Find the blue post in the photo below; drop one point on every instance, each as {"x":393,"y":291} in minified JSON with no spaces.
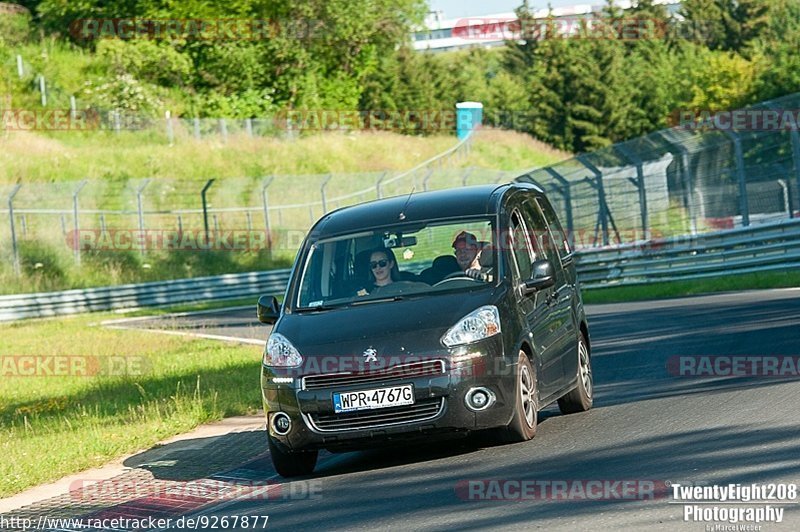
{"x":469,"y":117}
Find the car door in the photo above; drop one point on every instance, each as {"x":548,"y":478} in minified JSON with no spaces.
{"x":570,"y":287}
{"x":539,"y":320}
{"x":560,"y":295}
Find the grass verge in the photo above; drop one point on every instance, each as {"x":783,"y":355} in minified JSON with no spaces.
{"x":71,"y":157}
{"x":729,"y":283}
{"x":139,"y":389}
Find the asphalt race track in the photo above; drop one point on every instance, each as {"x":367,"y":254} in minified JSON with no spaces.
{"x":648,"y":426}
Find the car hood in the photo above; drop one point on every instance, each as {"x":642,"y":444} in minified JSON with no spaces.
{"x":394,"y":328}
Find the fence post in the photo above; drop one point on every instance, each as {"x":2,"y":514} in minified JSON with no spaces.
{"x":75,"y":221}
{"x":102,"y":224}
{"x":205,"y":209}
{"x":687,"y":183}
{"x":43,"y":90}
{"x":322,"y":193}
{"x":73,"y":107}
{"x":265,"y":200}
{"x":640,"y":184}
{"x":249,"y":126}
{"x":139,"y":194}
{"x":14,"y":249}
{"x":787,"y":196}
{"x":465,"y":176}
{"x":378,"y":190}
{"x":117,"y":125}
{"x":604,"y":215}
{"x":740,"y":176}
{"x":566,"y":193}
{"x":196,"y":128}
{"x":426,"y":179}
{"x":794,"y":136}
{"x":20,"y":68}
{"x":170,"y":132}
{"x":223,"y":129}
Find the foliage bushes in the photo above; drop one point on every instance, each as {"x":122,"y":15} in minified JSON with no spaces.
{"x":577,"y":93}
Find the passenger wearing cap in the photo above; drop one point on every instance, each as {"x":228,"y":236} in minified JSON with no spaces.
{"x":467,"y":250}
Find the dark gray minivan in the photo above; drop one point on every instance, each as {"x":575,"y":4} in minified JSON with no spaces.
{"x":435,"y":313}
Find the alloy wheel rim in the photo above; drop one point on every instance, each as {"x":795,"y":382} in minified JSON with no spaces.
{"x":526,"y":390}
{"x":585,"y":368}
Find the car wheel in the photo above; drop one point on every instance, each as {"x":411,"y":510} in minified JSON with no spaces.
{"x":523,"y":424}
{"x":581,"y":398}
{"x":291,"y":463}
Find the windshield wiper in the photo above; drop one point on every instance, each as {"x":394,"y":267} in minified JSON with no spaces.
{"x":377,"y":300}
{"x":319,"y":307}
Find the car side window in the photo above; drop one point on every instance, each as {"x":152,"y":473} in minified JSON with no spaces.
{"x":556,"y":230}
{"x":542,"y":242}
{"x":520,"y":246}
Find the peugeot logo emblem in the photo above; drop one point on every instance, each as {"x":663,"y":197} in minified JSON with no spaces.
{"x":370,"y":355}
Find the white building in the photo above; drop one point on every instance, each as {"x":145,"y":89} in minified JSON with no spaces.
{"x":488,"y":31}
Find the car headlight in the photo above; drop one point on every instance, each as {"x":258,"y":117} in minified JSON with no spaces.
{"x":479,"y":324}
{"x":281,"y":353}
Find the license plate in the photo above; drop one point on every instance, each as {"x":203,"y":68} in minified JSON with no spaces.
{"x":372,"y":399}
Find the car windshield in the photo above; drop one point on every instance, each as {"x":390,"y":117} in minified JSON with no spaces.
{"x":393,"y":263}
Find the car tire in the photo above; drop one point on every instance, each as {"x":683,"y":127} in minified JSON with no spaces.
{"x":581,"y":398}
{"x":291,"y":463}
{"x":523,"y":424}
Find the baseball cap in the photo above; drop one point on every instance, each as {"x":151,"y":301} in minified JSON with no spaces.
{"x":466,"y":237}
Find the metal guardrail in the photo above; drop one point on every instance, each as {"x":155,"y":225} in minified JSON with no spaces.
{"x":218,"y":288}
{"x":772,"y":247}
{"x":753,"y":249}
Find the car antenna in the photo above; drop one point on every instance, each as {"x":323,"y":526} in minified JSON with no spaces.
{"x":403,"y":210}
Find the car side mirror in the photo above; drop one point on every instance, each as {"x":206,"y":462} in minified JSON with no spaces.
{"x":268,"y":309}
{"x":543,"y":277}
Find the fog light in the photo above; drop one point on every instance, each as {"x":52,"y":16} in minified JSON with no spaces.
{"x":281,"y":424}
{"x":479,"y":399}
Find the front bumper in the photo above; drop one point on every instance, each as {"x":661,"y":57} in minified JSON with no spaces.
{"x":439,"y":403}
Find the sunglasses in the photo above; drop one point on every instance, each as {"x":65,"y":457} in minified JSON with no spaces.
{"x":378,"y":263}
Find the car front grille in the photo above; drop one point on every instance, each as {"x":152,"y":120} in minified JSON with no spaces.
{"x":370,"y":419}
{"x":423,"y":368}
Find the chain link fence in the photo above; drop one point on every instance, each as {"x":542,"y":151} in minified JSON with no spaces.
{"x":715,"y":172}
{"x":271,"y":212}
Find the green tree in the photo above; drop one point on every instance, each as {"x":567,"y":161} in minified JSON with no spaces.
{"x":729,"y":25}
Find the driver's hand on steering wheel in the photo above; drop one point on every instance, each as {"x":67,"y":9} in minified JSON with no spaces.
{"x":474,"y":273}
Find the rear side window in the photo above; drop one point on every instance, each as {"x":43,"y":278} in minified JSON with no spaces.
{"x":521,"y":246}
{"x":559,"y":236}
{"x":542,"y":242}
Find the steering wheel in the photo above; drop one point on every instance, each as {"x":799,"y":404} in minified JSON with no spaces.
{"x":458,"y":276}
